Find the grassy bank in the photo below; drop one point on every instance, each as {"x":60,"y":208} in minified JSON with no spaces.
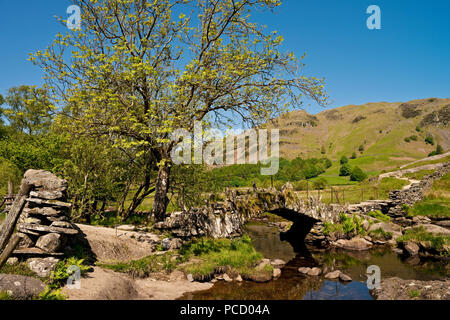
{"x":202,"y":258}
{"x":436,"y":203}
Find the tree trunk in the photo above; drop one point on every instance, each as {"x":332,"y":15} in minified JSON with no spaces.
{"x":162,"y":188}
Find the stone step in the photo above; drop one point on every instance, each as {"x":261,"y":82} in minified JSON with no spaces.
{"x":24,"y":227}
{"x":35,"y":252}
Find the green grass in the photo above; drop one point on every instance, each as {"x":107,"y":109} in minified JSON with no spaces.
{"x":222,"y":255}
{"x":414,"y":294}
{"x":347,"y":225}
{"x":420,"y":234}
{"x":431,"y":208}
{"x":5,"y":296}
{"x":380,"y":234}
{"x":418,"y":175}
{"x":21,"y":269}
{"x":436,"y":203}
{"x":379,"y":216}
{"x":144,"y":267}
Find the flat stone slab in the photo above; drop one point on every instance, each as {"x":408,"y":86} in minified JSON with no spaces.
{"x":46,"y":211}
{"x":53,"y":203}
{"x":23,"y":227}
{"x":355,"y":244}
{"x":35,"y":252}
{"x":21,"y":287}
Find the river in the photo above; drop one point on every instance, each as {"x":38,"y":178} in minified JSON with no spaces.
{"x":292,"y":285}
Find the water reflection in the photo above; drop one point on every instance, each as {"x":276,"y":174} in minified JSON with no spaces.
{"x":293,"y":285}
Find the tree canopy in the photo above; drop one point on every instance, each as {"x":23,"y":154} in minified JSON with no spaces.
{"x":137,"y":70}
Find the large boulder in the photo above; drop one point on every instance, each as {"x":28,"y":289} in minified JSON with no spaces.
{"x":44,"y":180}
{"x":43,"y":267}
{"x":434,"y":229}
{"x":356,"y":244}
{"x":411,"y":248}
{"x":51,"y":242}
{"x":21,"y":287}
{"x":386,"y":226}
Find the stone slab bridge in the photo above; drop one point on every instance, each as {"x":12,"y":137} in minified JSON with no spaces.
{"x":226,"y":219}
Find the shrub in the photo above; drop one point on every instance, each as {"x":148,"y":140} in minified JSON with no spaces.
{"x":418,"y":129}
{"x":345,"y":170}
{"x":413,"y":138}
{"x":320,"y":183}
{"x":430,"y":140}
{"x":343,"y":160}
{"x":357,"y":174}
{"x":379,"y":216}
{"x":380,"y":234}
{"x":361,"y":148}
{"x":407,"y":140}
{"x":353,"y":155}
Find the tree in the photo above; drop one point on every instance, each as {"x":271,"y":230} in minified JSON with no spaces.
{"x":29,"y":109}
{"x":136,"y":71}
{"x":343,"y":160}
{"x":345,"y":170}
{"x":357,"y":174}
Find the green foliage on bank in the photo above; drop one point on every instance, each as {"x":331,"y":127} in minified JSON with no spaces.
{"x":243,"y":175}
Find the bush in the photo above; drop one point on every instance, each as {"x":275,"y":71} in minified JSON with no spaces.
{"x":379,"y":216}
{"x":413,"y":138}
{"x":361,"y":148}
{"x":320,"y":183}
{"x":343,"y":160}
{"x":430,"y":140}
{"x":353,"y":155}
{"x":418,"y":129}
{"x":357,"y":174}
{"x":345,"y":170}
{"x":407,"y":140}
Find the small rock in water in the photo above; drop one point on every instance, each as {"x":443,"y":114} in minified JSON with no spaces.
{"x":227,"y":278}
{"x":304,"y":270}
{"x":190,"y":277}
{"x":239,"y":278}
{"x":314,"y":272}
{"x":277,"y":263}
{"x":344,"y":277}
{"x":411,"y":248}
{"x":333,"y":275}
{"x":276,"y":273}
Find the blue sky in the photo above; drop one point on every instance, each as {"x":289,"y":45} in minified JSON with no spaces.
{"x":409,"y":58}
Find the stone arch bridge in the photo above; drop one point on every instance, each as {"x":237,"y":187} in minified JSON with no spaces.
{"x":226,"y":218}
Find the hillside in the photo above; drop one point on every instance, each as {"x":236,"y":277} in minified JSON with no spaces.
{"x":381,"y":128}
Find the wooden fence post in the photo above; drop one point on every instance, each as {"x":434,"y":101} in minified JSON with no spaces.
{"x":11,"y":219}
{"x":9,"y":249}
